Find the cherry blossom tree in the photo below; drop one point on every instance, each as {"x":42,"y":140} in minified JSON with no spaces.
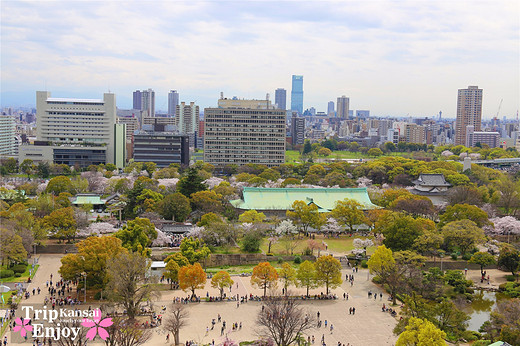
{"x":504,"y":225}
{"x":213,"y":182}
{"x":364,"y":182}
{"x":162,"y":239}
{"x":361,"y":245}
{"x":168,"y":183}
{"x":97,"y":228}
{"x":286,"y":227}
{"x":331,"y":226}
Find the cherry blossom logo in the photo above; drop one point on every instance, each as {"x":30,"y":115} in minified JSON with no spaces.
{"x":97,"y":326}
{"x":22,"y":326}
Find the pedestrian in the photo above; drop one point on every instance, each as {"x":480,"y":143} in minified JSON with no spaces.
{"x":222,"y":331}
{"x":380,"y":296}
{"x":240,"y":326}
{"x":318,"y":315}
{"x":331,"y":328}
{"x":325,"y":323}
{"x":5,"y":340}
{"x":375,"y":296}
{"x":347,"y":296}
{"x":353,"y":311}
{"x":344,"y":295}
{"x":312,"y":339}
{"x":238,"y":304}
{"x":167,"y":337}
{"x":350,"y":310}
{"x":218,"y":318}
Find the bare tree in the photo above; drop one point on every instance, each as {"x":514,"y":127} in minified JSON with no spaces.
{"x":176,"y":320}
{"x":128,"y":283}
{"x":284,"y":321}
{"x":124,"y":332}
{"x":80,"y":340}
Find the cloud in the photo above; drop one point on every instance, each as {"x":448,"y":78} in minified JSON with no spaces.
{"x":393,"y":57}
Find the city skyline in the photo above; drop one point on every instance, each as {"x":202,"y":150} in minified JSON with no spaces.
{"x":393,"y":58}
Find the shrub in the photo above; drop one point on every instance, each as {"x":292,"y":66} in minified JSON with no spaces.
{"x":466,"y":257}
{"x":454,"y":256}
{"x":280,"y":259}
{"x":97,"y":296}
{"x":17,"y":275}
{"x":307,"y":252}
{"x":364,"y":264}
{"x":19,"y":268}
{"x":510,"y":278}
{"x":269,"y":254}
{"x":297,"y":259}
{"x":6,"y":273}
{"x":482,"y":343}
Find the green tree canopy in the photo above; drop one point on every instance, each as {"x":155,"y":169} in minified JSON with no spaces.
{"x":60,"y":184}
{"x":328,"y":272}
{"x":349,"y":213}
{"x":194,"y":249}
{"x":137,"y":235}
{"x":174,"y":207}
{"x":464,"y":211}
{"x":190,"y":183}
{"x":421,"y":333}
{"x":463,"y":234}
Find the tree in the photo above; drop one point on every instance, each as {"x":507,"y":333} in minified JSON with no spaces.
{"x":60,"y":184}
{"x":429,"y":242}
{"x":146,"y":201}
{"x":415,"y":205}
{"x":349,"y":213}
{"x":401,"y":230}
{"x":190,"y":183}
{"x":93,"y":254}
{"x":307,"y":148}
{"x":176,"y":320}
{"x":206,"y":201}
{"x":264,"y":276}
{"x":287,"y":274}
{"x":382,"y":263}
{"x":324,"y":152}
{"x":124,"y":332}
{"x":374,"y":152}
{"x":251,"y":216}
{"x":483,"y":259}
{"x":306,"y":275}
{"x":509,"y":259}
{"x":137,"y":235}
{"x":504,"y":322}
{"x":128,"y":282}
{"x":464,"y":211}
{"x":12,"y":250}
{"x":43,"y":170}
{"x":171,"y":271}
{"x":61,"y":223}
{"x":304,"y":215}
{"x":328,"y":272}
{"x":421,"y":332}
{"x":221,"y":280}
{"x":174,"y":207}
{"x":192,"y":277}
{"x":27,"y":167}
{"x":284,"y":321}
{"x":463,"y":234}
{"x":252,"y":238}
{"x":194,"y":249}
{"x":509,"y":195}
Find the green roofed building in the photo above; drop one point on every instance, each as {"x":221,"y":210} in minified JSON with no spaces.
{"x":88,"y":198}
{"x":281,"y":199}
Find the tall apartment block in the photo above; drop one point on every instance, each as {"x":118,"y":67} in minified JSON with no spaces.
{"x":8,"y":141}
{"x":280,"y":98}
{"x":187,"y":118}
{"x":77,"y":131}
{"x":330,"y":108}
{"x":342,"y":108}
{"x":173,"y":102}
{"x":297,"y":130}
{"x":297,"y":94}
{"x":144,"y":100}
{"x":240,"y":135}
{"x":469,"y":112}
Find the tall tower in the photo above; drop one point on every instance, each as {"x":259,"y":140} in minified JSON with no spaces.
{"x":343,"y":107}
{"x":145,"y":101}
{"x":187,"y":118}
{"x":297,"y":94}
{"x":173,"y":101}
{"x":469,"y":112}
{"x":280,"y":98}
{"x":330,"y":108}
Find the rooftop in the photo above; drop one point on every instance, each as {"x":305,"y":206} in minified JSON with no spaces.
{"x":61,"y":99}
{"x":259,"y":198}
{"x":431,"y":180}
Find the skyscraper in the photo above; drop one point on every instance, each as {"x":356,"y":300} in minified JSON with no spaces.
{"x":144,"y":100}
{"x":7,"y":135}
{"x":343,"y":107}
{"x":297,"y":94}
{"x":280,"y":98}
{"x":173,"y":101}
{"x":330,"y":108}
{"x":469,"y":112}
{"x":187,"y":118}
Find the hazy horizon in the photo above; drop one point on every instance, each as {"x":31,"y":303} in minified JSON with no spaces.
{"x":393,"y":58}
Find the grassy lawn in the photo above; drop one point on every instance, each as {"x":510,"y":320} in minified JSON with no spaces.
{"x":24,"y":276}
{"x":246,"y":268}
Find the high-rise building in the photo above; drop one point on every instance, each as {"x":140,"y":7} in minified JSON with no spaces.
{"x":173,"y":101}
{"x":363,"y":114}
{"x":469,"y":112}
{"x":297,"y":130}
{"x":187,"y":118}
{"x":280,"y":98}
{"x":7,"y":135}
{"x":297,"y":94}
{"x":144,"y":100}
{"x":77,"y":131}
{"x":343,"y":107}
{"x":162,"y":148}
{"x":414,"y":134}
{"x":240,"y":135}
{"x":330,"y":108}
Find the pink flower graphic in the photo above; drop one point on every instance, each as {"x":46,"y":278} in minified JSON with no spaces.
{"x":96,"y":326}
{"x":22,"y":326}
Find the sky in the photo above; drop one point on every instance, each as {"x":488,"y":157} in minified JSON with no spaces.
{"x":394,"y":58}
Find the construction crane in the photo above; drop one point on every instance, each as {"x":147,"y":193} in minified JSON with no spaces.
{"x":499,"y":106}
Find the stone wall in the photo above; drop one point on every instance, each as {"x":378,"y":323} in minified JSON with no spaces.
{"x":56,"y":248}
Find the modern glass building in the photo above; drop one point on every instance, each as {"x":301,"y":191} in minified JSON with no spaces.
{"x":297,"y":94}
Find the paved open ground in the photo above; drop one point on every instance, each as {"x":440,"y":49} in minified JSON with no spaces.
{"x":369,"y":326}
